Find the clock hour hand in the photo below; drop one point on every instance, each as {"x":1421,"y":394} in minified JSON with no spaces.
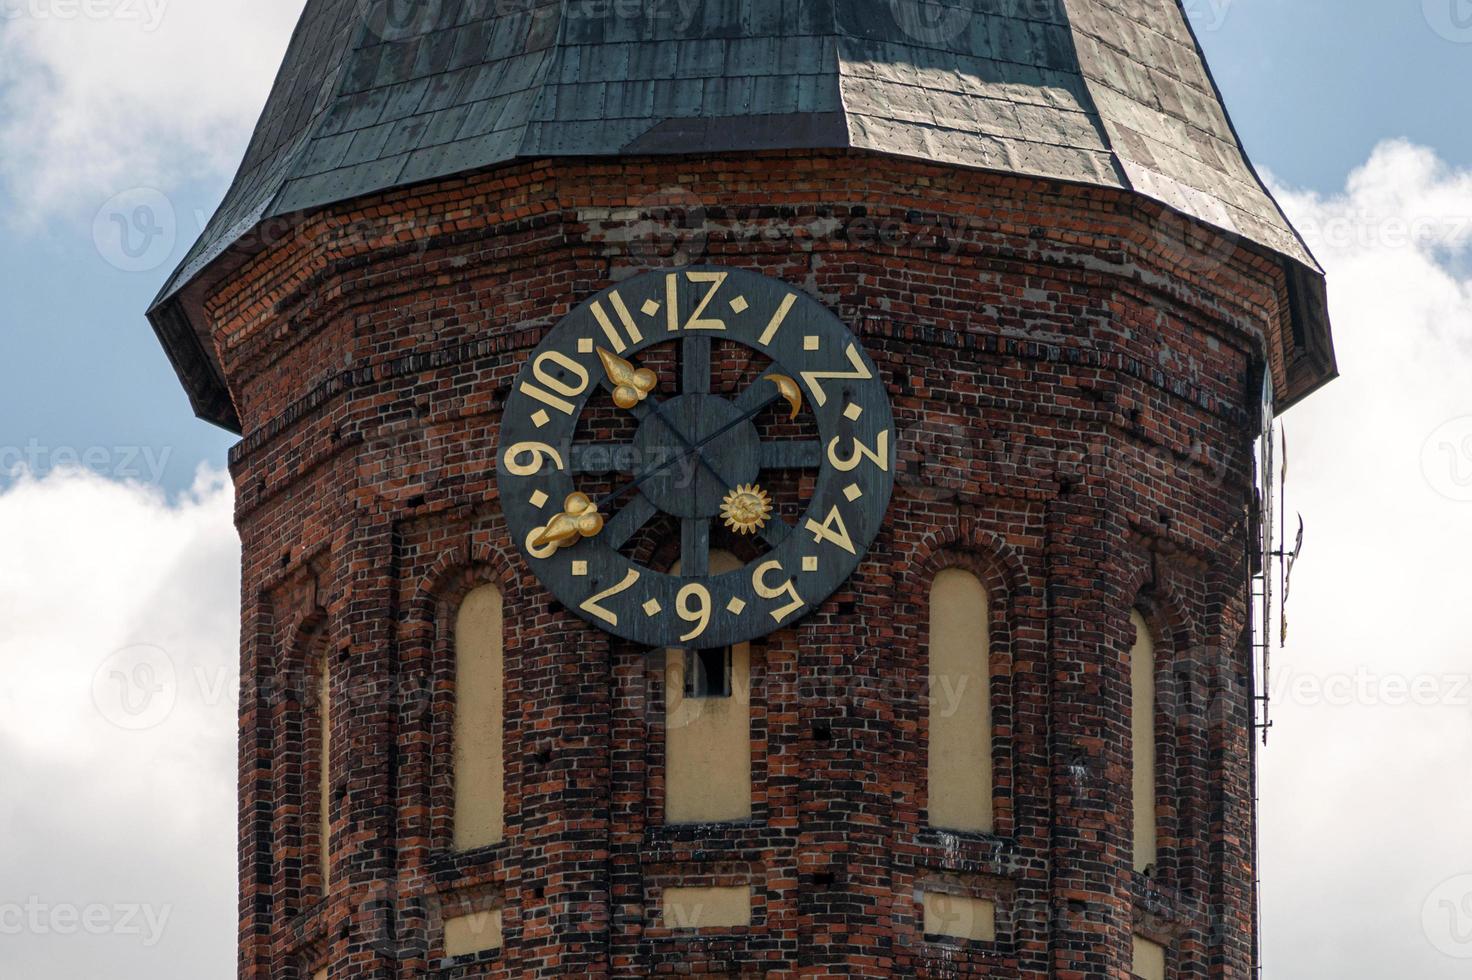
{"x":631,"y":385}
{"x":579,"y":519}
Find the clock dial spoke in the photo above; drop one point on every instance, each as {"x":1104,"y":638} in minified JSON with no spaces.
{"x":695,"y":547}
{"x":627,"y":522}
{"x":792,"y":454}
{"x":695,"y":365}
{"x":776,"y":531}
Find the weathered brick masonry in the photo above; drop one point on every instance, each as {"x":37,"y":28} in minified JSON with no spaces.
{"x":1074,"y":373}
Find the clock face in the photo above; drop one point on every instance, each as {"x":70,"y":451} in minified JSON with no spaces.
{"x":686,"y":414}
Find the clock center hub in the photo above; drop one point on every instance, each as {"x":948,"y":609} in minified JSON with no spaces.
{"x":697,"y":482}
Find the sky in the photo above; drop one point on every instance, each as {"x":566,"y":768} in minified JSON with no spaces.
{"x":118,"y":561}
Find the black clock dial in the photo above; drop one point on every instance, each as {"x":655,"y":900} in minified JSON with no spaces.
{"x":618,"y":424}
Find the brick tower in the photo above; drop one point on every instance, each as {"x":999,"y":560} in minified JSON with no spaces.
{"x":1015,"y":740}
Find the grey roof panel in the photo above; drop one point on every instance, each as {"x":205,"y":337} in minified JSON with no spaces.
{"x":1106,"y":92}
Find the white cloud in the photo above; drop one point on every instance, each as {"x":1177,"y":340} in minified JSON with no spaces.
{"x":117,"y":729}
{"x":1367,"y":792}
{"x":100,"y":96}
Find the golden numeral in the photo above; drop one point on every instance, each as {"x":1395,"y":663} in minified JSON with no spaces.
{"x":859,"y":373}
{"x":539,"y":452}
{"x":788,"y":588}
{"x":833,"y":530}
{"x":548,"y":398}
{"x":593,"y":606}
{"x":615,"y":338}
{"x":879,"y":455}
{"x":778,"y":318}
{"x":696,"y":321}
{"x":700,"y":615}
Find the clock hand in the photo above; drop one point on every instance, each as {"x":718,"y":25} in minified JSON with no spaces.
{"x":789,"y":391}
{"x":579,"y":519}
{"x":689,"y":449}
{"x":631,"y":385}
{"x":786,"y":389}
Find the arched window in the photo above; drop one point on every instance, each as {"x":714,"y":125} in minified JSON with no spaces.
{"x":480,"y":793}
{"x":960,"y":748}
{"x":1142,"y":725}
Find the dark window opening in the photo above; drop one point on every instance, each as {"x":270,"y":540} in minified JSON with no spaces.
{"x":708,"y":673}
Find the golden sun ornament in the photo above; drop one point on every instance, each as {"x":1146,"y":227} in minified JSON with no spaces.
{"x":747,"y":509}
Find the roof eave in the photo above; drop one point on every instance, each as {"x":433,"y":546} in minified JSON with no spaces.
{"x":209,"y":396}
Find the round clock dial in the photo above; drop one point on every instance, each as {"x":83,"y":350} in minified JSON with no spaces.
{"x":686,"y":411}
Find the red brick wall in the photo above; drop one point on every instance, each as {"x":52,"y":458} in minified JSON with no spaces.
{"x":1074,"y":387}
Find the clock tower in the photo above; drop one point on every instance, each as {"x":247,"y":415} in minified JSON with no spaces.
{"x":746,"y":489}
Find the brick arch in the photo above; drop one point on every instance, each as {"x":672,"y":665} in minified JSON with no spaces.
{"x":1160,"y":597}
{"x":1001,"y":565}
{"x":458,"y":570}
{"x":305,"y":627}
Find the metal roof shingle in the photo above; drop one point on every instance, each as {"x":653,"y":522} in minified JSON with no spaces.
{"x":1106,"y":92}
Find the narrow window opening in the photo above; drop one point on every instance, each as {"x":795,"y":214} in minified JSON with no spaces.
{"x":960,"y":748}
{"x":1143,"y":715}
{"x":708,"y":673}
{"x":480,"y":792}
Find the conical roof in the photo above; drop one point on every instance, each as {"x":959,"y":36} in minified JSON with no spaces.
{"x":376,"y":94}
